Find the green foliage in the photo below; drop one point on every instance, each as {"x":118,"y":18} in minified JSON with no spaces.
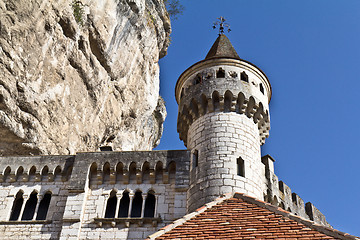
{"x":174,"y":8}
{"x":78,"y":11}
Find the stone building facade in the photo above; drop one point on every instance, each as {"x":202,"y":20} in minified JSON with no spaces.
{"x":223,"y":120}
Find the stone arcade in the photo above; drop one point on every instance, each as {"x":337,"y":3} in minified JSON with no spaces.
{"x":223,"y":119}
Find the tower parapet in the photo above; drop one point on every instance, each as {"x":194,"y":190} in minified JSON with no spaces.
{"x":223,"y":119}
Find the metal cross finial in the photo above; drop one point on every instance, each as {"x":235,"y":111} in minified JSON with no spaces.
{"x":222,"y":25}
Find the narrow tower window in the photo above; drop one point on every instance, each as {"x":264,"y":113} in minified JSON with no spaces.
{"x":220,"y":73}
{"x":172,"y":172}
{"x":198,"y":79}
{"x":43,"y":207}
{"x":124,"y":205}
{"x":16,"y":208}
{"x":137,"y":205}
{"x":261,"y":88}
{"x":195,"y":158}
{"x":240,"y":167}
{"x":111,"y":205}
{"x":30,"y":207}
{"x":244,"y":77}
{"x":150,"y":205}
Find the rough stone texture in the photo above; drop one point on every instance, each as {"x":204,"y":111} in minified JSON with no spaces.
{"x":220,"y":139}
{"x":67,"y":87}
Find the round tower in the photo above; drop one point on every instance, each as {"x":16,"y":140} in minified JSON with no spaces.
{"x":223,"y":119}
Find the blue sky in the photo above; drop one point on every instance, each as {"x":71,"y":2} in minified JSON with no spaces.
{"x":310,"y":51}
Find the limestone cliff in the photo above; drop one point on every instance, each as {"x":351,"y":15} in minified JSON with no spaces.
{"x":77,"y":77}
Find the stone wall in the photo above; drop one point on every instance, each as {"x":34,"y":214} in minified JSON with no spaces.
{"x":80,"y":192}
{"x":220,"y":139}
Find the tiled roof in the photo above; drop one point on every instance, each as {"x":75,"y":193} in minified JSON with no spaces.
{"x":243,"y":217}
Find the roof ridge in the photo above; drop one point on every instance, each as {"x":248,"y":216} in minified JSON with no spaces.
{"x":189,"y":216}
{"x":323,"y":229}
{"x":277,"y":210}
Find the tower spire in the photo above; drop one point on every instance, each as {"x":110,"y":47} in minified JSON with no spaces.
{"x":222,"y":48}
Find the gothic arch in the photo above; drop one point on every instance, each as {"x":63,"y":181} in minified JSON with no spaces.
{"x":132,"y":172}
{"x":124,"y":205}
{"x":228,"y":98}
{"x":44,"y":206}
{"x":240,"y":103}
{"x":17,"y":205}
{"x":150,"y":203}
{"x":216,"y":101}
{"x":6,"y":172}
{"x":106,"y":172}
{"x":92,"y":173}
{"x":32,"y":173}
{"x":146,"y":172}
{"x":57,"y":173}
{"x":111,"y":205}
{"x":250,"y":109}
{"x":119,"y":172}
{"x":19,"y":172}
{"x":159,"y":172}
{"x":137,"y":204}
{"x":30,"y":206}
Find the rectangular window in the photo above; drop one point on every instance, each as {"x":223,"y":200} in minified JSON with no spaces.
{"x":195,"y":158}
{"x":240,"y":167}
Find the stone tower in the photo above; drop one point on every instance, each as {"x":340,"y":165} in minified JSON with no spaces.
{"x":223,"y":119}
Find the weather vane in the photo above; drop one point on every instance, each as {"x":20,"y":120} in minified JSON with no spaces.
{"x":222,"y":25}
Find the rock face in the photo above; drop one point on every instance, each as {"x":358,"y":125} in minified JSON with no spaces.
{"x":75,"y":77}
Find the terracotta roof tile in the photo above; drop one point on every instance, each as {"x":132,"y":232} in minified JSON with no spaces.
{"x":243,"y":217}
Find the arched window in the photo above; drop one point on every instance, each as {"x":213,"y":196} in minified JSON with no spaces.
{"x":146,"y":173}
{"x":137,"y":205}
{"x":30,"y":206}
{"x":124,"y":205}
{"x":159,"y":172}
{"x":19,"y":173}
{"x":228,"y":101}
{"x":244,"y":77}
{"x":7,"y":172}
{"x":16,"y":208}
{"x":57,"y":173}
{"x":119,"y":172}
{"x":93,"y":174}
{"x":45,"y":173}
{"x":132,"y":173}
{"x":240,"y":167}
{"x":111,"y":205}
{"x":32,"y":173}
{"x":43,"y":207}
{"x":216,"y":100}
{"x":220,"y":73}
{"x":106,"y":172}
{"x":150,"y":201}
